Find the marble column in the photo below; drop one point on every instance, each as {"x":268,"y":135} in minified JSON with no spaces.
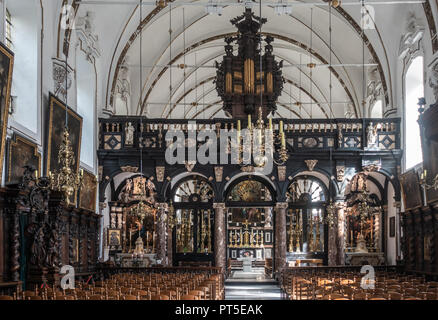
{"x":280,"y":236}
{"x":219,"y":236}
{"x":162,"y":233}
{"x":332,"y":244}
{"x":341,"y":235}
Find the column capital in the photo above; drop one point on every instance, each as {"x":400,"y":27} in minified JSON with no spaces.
{"x":219,"y":205}
{"x":281,"y":205}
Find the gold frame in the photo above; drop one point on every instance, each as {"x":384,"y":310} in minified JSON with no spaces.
{"x":71,"y":113}
{"x":14,"y":142}
{"x":94,"y":179}
{"x":109,"y":230}
{"x":9,"y":54}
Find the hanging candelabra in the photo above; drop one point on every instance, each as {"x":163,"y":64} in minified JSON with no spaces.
{"x":66,"y":180}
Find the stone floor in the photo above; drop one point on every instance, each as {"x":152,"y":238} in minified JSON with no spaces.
{"x":251,"y":286}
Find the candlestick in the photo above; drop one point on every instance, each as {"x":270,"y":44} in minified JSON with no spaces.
{"x":283,"y":140}
{"x":280,"y":128}
{"x":249,"y":121}
{"x":270,"y":123}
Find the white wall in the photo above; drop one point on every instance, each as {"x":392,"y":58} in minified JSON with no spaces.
{"x":25,"y":84}
{"x":391,"y":248}
{"x":86,"y":89}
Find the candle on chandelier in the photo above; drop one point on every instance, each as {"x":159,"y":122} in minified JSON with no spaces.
{"x":283,"y":140}
{"x":280,"y":128}
{"x":270,"y":123}
{"x":249,"y":121}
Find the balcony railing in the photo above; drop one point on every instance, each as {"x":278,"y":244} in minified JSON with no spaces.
{"x":301,"y":135}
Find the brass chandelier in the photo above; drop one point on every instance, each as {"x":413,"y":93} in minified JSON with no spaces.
{"x":267,"y":140}
{"x":66,"y":179}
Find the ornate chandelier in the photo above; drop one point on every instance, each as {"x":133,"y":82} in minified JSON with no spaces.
{"x":66,"y":180}
{"x":242,"y":82}
{"x":266,"y":139}
{"x":249,"y":84}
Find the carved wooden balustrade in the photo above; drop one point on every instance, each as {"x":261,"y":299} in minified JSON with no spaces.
{"x":301,"y":135}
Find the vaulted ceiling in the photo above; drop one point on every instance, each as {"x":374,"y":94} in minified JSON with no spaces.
{"x":197,"y":40}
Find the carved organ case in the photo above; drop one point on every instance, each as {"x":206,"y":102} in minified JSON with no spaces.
{"x":239,"y":80}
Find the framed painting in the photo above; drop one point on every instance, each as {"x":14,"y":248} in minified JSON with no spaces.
{"x":56,"y":125}
{"x":411,"y":190}
{"x":6,"y":66}
{"x":88,"y":192}
{"x":114,"y":239}
{"x":21,"y":152}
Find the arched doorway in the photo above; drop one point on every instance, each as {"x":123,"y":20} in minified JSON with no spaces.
{"x":307,"y":233}
{"x":193,"y":234}
{"x":250,"y":225}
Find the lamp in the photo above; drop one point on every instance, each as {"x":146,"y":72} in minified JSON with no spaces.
{"x":213,"y":8}
{"x":66,"y":179}
{"x":282,"y":8}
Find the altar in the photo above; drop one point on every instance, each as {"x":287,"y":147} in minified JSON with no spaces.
{"x":364,"y":258}
{"x":247,"y":263}
{"x":128,"y":260}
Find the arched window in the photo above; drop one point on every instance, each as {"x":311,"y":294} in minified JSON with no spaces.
{"x":414,"y":89}
{"x":8,"y":29}
{"x":86,"y":88}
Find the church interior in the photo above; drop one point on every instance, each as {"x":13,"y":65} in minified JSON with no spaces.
{"x":219,"y":150}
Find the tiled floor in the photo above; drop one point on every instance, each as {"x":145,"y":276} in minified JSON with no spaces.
{"x":251,"y":286}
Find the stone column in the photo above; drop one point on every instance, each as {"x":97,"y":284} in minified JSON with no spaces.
{"x":162,"y":233}
{"x":219,"y":236}
{"x":332,"y":244}
{"x":341,"y":235}
{"x":280,"y":236}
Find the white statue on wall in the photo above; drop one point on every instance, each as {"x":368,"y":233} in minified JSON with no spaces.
{"x":372,"y":136}
{"x":129,"y":134}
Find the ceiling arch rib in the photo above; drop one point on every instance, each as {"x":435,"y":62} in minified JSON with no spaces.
{"x":300,"y":45}
{"x":353,"y":100}
{"x":315,"y":100}
{"x":188,"y":49}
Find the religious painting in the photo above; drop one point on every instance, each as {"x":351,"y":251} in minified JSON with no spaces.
{"x":249,"y":191}
{"x":392,"y":227}
{"x":251,"y":215}
{"x":88,"y":192}
{"x":21,"y":152}
{"x":57,"y":117}
{"x":411,"y":190}
{"x":6,"y":66}
{"x":114,"y":241}
{"x":137,"y":188}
